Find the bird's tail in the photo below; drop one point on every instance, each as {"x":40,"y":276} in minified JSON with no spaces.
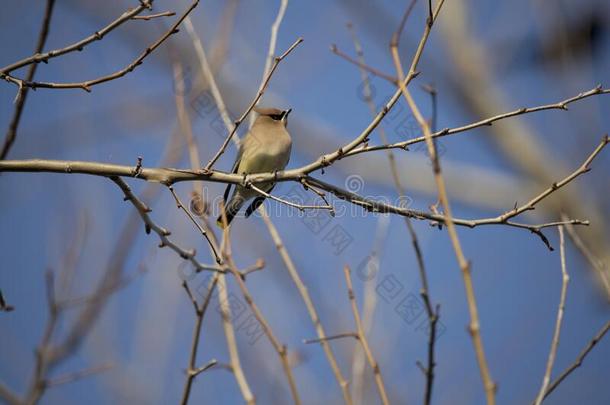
{"x":231,"y":209}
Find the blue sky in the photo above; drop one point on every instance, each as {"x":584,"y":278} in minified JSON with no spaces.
{"x":145,"y":330}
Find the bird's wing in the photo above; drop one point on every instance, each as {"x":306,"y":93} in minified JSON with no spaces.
{"x":255,"y":204}
{"x":233,"y":170}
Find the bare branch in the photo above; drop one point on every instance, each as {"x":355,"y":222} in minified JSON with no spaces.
{"x":194,"y":221}
{"x":289,"y":203}
{"x":169,"y":176}
{"x":432,"y":317}
{"x":362,"y":338}
{"x":77,"y":375}
{"x":562,"y":302}
{"x":200,"y":311}
{"x":276,"y":236}
{"x":259,"y":94}
{"x":225,"y":311}
{"x":560,"y":105}
{"x":279,"y":347}
{"x":275,"y":27}
{"x":86,"y":85}
{"x":581,"y":357}
{"x":335,"y":49}
{"x":151,"y":16}
{"x":464,"y":264}
{"x":80,"y":45}
{"x":596,"y":263}
{"x":207,"y":74}
{"x":163,"y":233}
{"x":11,"y":133}
{"x":333,"y":337}
{"x":205,"y":367}
{"x":311,"y":309}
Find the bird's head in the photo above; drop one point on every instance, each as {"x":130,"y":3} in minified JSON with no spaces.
{"x":274,"y":115}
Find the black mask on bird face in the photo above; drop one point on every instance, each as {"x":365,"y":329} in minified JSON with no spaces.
{"x":275,"y":114}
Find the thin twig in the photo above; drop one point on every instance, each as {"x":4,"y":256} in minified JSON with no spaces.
{"x":86,"y":85}
{"x":279,"y":347}
{"x":394,"y":42}
{"x":474,"y":327}
{"x":335,"y":49}
{"x":11,"y":133}
{"x":205,"y":367}
{"x":200,"y":311}
{"x":151,"y":16}
{"x":560,"y":105}
{"x":425,"y":291}
{"x":259,"y":265}
{"x":225,"y":308}
{"x":225,"y":311}
{"x":595,"y":262}
{"x":562,"y":302}
{"x":311,"y":309}
{"x":289,"y":203}
{"x":194,"y":221}
{"x":370,"y":267}
{"x":275,"y":27}
{"x":259,"y":94}
{"x":284,"y":252}
{"x":503,"y":219}
{"x":362,"y":338}
{"x":80,"y":45}
{"x":163,"y":233}
{"x":8,"y":395}
{"x":73,"y":302}
{"x":77,"y":375}
{"x":581,"y":357}
{"x":207,"y":73}
{"x":333,"y":337}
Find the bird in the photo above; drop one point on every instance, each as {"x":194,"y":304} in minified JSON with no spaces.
{"x":265,"y":148}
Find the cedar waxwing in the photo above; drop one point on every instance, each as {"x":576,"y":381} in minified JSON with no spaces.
{"x":264,"y":149}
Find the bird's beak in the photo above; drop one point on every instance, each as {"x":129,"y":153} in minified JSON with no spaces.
{"x":285,"y":116}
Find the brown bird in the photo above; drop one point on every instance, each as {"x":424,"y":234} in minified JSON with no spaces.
{"x":265,"y":148}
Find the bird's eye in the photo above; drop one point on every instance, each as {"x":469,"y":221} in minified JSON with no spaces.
{"x":276,"y":117}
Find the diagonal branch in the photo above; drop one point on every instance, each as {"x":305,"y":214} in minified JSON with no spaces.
{"x":148,"y":17}
{"x":86,"y":85}
{"x":80,"y":45}
{"x":581,"y":357}
{"x":290,"y":203}
{"x":200,"y":311}
{"x":194,"y":221}
{"x":362,"y":337}
{"x":277,"y":240}
{"x":163,"y":233}
{"x":279,"y":347}
{"x":11,"y":133}
{"x":562,"y":303}
{"x":560,"y":105}
{"x":275,"y":27}
{"x":259,"y":94}
{"x":595,"y":262}
{"x":464,"y":264}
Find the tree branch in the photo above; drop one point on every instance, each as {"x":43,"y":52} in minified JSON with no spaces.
{"x":259,"y":94}
{"x":562,"y":302}
{"x":86,"y":85}
{"x":11,"y":133}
